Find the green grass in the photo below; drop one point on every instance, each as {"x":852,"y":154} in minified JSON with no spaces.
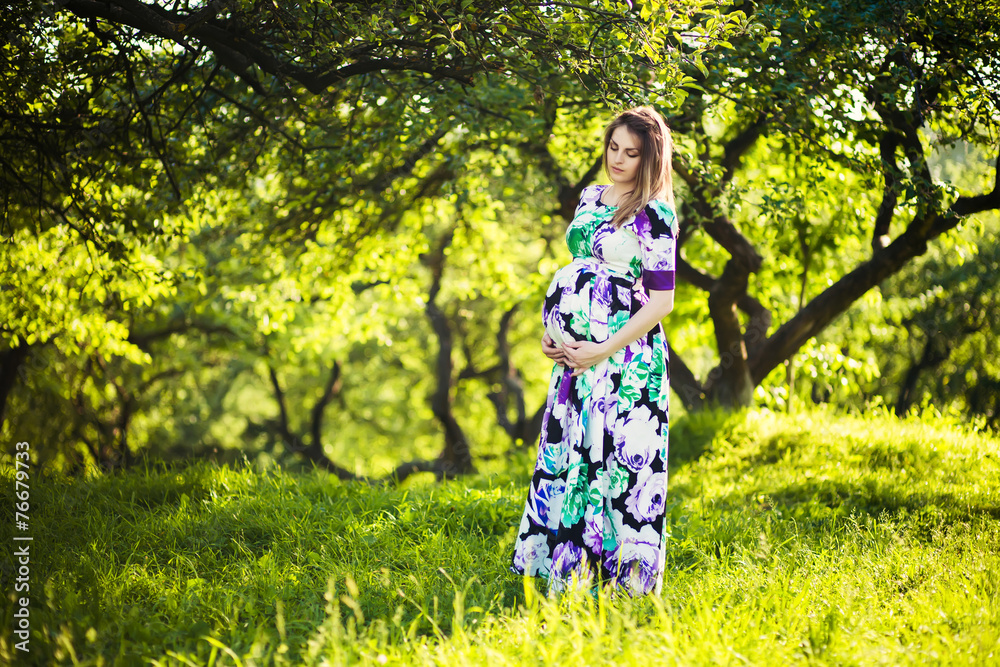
{"x":812,"y":539}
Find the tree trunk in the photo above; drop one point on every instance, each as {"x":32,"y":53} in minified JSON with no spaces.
{"x":935,"y":352}
{"x":10,"y":364}
{"x":456,"y":457}
{"x":729,"y":383}
{"x":833,"y":301}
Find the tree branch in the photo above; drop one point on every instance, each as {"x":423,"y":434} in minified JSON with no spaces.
{"x":683,"y":382}
{"x":146,"y":338}
{"x":294,"y":442}
{"x":891,"y":173}
{"x":693,"y":276}
{"x":386,"y":179}
{"x":837,"y":298}
{"x":455,"y":458}
{"x":316,"y":423}
{"x":238,"y":54}
{"x":739,"y":145}
{"x":964,"y":206}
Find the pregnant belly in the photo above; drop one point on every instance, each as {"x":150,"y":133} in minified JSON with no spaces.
{"x":566,"y":312}
{"x":584,"y":301}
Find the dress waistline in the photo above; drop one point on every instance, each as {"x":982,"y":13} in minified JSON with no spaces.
{"x":601,"y":269}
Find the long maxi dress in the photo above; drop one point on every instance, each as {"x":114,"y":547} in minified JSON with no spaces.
{"x":595,"y":506}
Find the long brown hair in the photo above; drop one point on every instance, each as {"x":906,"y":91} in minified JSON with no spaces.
{"x":654,"y":175}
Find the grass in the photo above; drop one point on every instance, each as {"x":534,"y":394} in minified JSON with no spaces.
{"x":813,"y":539}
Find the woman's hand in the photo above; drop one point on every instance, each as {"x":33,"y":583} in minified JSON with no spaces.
{"x":552,"y":351}
{"x":582,"y":354}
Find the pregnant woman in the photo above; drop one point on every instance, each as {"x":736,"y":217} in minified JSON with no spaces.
{"x":595,"y":507}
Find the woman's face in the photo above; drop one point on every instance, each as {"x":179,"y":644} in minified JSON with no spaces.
{"x":623,"y":156}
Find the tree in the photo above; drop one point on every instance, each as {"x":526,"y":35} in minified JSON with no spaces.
{"x":127,"y":124}
{"x":834,"y":125}
{"x":934,"y":328}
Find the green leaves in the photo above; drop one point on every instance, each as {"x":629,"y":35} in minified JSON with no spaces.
{"x":191,"y":215}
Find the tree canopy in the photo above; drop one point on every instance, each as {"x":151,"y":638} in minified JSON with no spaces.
{"x":813,"y":146}
{"x":242,"y":226}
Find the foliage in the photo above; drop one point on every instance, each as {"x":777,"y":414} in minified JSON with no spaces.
{"x":241,"y":227}
{"x":246,"y":195}
{"x":818,"y":539}
{"x":920,"y":342}
{"x":819,"y":167}
{"x":941,"y":321}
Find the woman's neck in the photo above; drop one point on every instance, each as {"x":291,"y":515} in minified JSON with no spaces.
{"x":615,"y":192}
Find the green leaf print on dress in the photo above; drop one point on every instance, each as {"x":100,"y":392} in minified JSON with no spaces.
{"x":617,"y":478}
{"x":553,"y":459}
{"x":633,"y":380}
{"x":616,"y":322}
{"x":580,"y":235}
{"x":636,"y":266}
{"x":579,"y":310}
{"x":659,"y":385}
{"x":577,"y":494}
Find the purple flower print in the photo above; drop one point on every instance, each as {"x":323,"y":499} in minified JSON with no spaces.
{"x":648,"y":496}
{"x":601,"y":295}
{"x":565,"y":558}
{"x":635,"y":565}
{"x":545,"y":504}
{"x":604,"y":402}
{"x":570,"y":568}
{"x":593,"y":533}
{"x":641,"y":225}
{"x":636,"y":440}
{"x":629,"y":353}
{"x":531,"y":555}
{"x":640,"y":578}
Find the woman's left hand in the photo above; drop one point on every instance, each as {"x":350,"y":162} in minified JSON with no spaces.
{"x":582,"y":354}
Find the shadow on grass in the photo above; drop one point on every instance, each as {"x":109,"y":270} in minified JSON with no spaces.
{"x":875,"y":498}
{"x":692,"y":434}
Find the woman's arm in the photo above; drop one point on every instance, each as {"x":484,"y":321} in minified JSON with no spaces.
{"x":581,"y":355}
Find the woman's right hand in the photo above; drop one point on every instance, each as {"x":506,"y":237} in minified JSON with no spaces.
{"x":552,"y":351}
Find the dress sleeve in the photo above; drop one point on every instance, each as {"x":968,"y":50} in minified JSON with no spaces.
{"x":656,"y":229}
{"x":588,"y":195}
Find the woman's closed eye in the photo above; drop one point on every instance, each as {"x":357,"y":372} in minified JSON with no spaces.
{"x":613,"y":146}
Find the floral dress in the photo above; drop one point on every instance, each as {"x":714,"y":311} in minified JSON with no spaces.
{"x":595,"y":507}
